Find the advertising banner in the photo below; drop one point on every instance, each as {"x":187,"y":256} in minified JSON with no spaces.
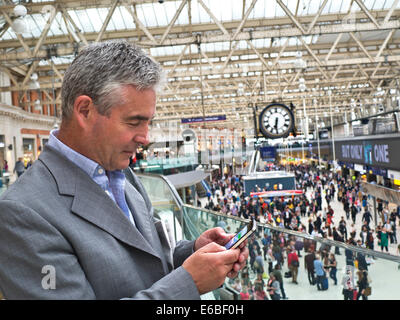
{"x":382,"y":153}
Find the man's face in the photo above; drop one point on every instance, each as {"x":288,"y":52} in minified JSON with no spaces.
{"x":116,"y":137}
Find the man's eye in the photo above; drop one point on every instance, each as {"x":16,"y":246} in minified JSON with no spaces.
{"x":134,"y":124}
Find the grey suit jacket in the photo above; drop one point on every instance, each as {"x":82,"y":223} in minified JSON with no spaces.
{"x":56,"y":215}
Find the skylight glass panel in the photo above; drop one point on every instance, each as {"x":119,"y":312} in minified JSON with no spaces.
{"x":58,"y":26}
{"x":345,"y":6}
{"x":313,"y":7}
{"x":102,"y":15}
{"x":35,"y":23}
{"x":388,"y":4}
{"x":43,"y":62}
{"x":74,"y":16}
{"x":242,"y":45}
{"x":9,"y":35}
{"x":270,"y":8}
{"x":291,"y":5}
{"x":377,"y":5}
{"x":117,"y":20}
{"x":237,"y":7}
{"x":259,"y":43}
{"x":167,"y":10}
{"x":146,"y":15}
{"x":335,"y":6}
{"x":279,"y":11}
{"x":258,"y":10}
{"x":221,"y":9}
{"x":293,"y":41}
{"x":94,"y":18}
{"x":127,"y":17}
{"x":368,"y":4}
{"x":327,"y":8}
{"x":183,"y":17}
{"x":84,"y":21}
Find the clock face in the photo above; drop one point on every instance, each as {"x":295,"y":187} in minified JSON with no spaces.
{"x":276,"y":121}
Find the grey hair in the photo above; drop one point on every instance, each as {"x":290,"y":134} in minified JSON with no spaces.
{"x":102,"y":68}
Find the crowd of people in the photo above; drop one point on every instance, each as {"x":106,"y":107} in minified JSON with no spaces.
{"x":311,"y":213}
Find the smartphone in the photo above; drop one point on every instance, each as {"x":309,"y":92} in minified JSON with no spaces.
{"x":242,"y":235}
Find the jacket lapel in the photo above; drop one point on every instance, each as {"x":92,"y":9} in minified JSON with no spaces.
{"x":92,"y":203}
{"x":139,"y":211}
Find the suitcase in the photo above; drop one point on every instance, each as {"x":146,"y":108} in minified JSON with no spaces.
{"x":355,"y":293}
{"x":325,"y":284}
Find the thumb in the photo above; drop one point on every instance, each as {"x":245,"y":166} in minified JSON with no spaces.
{"x":212,"y":247}
{"x":230,"y":256}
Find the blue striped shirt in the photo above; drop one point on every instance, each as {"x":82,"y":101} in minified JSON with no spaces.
{"x":112,"y":182}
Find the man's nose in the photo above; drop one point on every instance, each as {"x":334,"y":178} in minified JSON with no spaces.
{"x":143,"y":138}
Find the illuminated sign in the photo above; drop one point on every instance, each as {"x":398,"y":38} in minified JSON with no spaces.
{"x":382,"y":153}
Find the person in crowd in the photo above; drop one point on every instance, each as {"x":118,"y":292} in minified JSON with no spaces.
{"x":273,"y":288}
{"x":278,"y":276}
{"x":293,"y":264}
{"x":319,"y":271}
{"x":384,"y":242}
{"x":89,"y":217}
{"x":362,"y":284}
{"x":332,"y":264}
{"x":348,"y":285}
{"x":244,"y":294}
{"x":5,"y":165}
{"x":367,"y":217}
{"x":259,"y":293}
{"x":19,"y":167}
{"x":309,"y":266}
{"x":237,"y":285}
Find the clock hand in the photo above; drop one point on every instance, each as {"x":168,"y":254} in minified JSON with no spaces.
{"x":276,"y":123}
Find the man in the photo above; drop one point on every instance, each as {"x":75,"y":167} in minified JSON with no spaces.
{"x":80,"y":230}
{"x":337,"y":237}
{"x":367,"y":217}
{"x":19,"y":167}
{"x":309,"y":265}
{"x":278,"y":276}
{"x":319,"y":271}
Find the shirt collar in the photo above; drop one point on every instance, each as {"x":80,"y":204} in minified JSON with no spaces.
{"x":92,"y":168}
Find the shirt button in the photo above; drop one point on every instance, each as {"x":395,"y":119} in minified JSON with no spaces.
{"x":100,"y":171}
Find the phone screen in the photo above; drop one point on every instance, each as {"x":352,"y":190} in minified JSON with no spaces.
{"x":236,"y":238}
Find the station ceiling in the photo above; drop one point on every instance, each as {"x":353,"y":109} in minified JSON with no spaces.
{"x":328,"y":57}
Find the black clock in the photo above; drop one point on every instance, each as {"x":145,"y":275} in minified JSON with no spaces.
{"x":276,"y":121}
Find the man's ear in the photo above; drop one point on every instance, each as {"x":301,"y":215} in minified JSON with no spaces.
{"x":83,"y":110}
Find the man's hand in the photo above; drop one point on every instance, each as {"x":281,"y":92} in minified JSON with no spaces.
{"x":219,"y":236}
{"x":210,"y":265}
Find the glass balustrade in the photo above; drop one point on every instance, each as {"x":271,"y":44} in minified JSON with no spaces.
{"x":166,"y":202}
{"x":383,"y":269}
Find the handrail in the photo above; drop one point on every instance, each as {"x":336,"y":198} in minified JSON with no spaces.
{"x":378,"y":254}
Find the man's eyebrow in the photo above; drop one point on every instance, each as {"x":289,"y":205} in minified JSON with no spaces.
{"x":139,"y":117}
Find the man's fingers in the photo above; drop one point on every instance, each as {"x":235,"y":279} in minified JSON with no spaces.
{"x":231,"y":256}
{"x":212,"y":247}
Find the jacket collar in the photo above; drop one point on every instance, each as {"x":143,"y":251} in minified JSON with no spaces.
{"x":94,"y":205}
